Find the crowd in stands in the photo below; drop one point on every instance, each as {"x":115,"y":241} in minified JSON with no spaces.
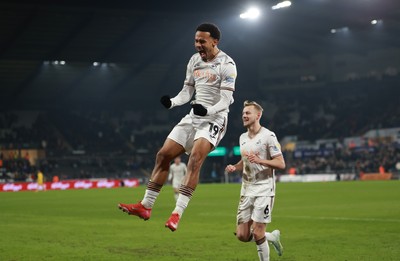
{"x":365,"y":159}
{"x":93,"y":144}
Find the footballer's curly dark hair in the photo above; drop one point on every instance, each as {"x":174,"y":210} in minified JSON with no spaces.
{"x":210,"y":28}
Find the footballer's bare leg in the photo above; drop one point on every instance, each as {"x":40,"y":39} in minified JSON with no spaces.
{"x":201,"y":148}
{"x":165,"y":155}
{"x":170,"y":150}
{"x":261,"y":240}
{"x":244,"y":231}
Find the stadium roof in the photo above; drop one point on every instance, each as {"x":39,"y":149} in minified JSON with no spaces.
{"x":143,"y":46}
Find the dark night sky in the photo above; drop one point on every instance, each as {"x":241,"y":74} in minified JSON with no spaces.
{"x":148,"y":43}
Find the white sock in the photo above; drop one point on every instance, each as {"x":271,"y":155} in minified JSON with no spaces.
{"x":268,"y":236}
{"x":263,"y":251}
{"x":176,"y":195}
{"x":149,"y":198}
{"x":181,"y":204}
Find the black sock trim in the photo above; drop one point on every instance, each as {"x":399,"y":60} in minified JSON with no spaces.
{"x":186,"y":191}
{"x":261,"y":241}
{"x":153,"y":186}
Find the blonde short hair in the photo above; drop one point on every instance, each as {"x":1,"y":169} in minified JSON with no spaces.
{"x":253,"y":103}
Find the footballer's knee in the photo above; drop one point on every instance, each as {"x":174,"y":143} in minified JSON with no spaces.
{"x":259,"y":231}
{"x":163,"y":157}
{"x":258,"y":235}
{"x":244,"y":237}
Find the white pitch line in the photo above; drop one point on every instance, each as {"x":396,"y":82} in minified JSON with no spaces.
{"x":343,"y":218}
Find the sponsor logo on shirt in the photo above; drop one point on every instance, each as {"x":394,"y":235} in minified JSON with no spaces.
{"x":209,"y":75}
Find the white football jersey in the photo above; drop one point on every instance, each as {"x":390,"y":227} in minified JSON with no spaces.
{"x":209,"y":78}
{"x":177,"y":172}
{"x":259,"y":180}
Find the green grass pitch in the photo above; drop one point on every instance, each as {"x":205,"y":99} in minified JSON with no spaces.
{"x":318,"y":221}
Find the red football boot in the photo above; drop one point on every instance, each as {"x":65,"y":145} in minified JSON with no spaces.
{"x":173,"y":221}
{"x":136,"y":210}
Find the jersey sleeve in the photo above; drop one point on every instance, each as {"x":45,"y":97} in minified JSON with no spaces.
{"x":228,"y":75}
{"x":240,"y":144}
{"x":189,"y":79}
{"x":224,"y":102}
{"x":274,"y":147}
{"x":187,"y":91}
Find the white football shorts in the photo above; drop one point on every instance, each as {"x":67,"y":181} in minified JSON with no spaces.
{"x":176,"y":183}
{"x":258,"y":209}
{"x":192,"y":127}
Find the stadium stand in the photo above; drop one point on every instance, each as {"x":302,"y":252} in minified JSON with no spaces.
{"x":329,"y":129}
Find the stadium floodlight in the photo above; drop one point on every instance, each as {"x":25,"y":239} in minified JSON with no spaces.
{"x":344,"y":29}
{"x":376,"y":21}
{"x":95,"y":64}
{"x":252,"y":13}
{"x":56,"y":62}
{"x":280,"y":5}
